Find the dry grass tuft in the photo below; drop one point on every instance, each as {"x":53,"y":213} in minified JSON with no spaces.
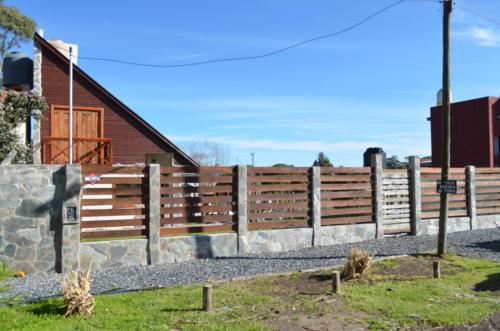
{"x":357,"y":263}
{"x":76,"y":296}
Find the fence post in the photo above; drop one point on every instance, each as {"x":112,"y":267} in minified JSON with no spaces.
{"x":70,"y":241}
{"x":378,"y":194}
{"x":415,"y":195}
{"x":241,"y":206}
{"x":316,"y":204}
{"x":154,"y":214}
{"x":470,"y":179}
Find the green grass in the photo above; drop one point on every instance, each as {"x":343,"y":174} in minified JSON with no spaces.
{"x":5,"y":272}
{"x":428,"y":302}
{"x":248,"y":304}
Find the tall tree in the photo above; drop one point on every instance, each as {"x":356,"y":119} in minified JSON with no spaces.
{"x":15,"y":28}
{"x":393,"y":162}
{"x":208,"y":153}
{"x":322,"y":161}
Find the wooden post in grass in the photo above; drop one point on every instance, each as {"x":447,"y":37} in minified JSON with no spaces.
{"x":336,"y":282}
{"x":436,"y":265}
{"x":207,"y":297}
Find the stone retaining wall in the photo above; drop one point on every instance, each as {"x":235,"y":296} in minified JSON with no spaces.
{"x":31,"y":200}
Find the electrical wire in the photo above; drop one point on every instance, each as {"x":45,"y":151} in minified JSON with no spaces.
{"x":475,"y":13}
{"x":253,"y":57}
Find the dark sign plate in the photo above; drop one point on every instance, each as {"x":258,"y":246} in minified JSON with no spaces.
{"x":446,"y":186}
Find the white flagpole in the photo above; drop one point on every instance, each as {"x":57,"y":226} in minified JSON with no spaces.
{"x":70,"y":117}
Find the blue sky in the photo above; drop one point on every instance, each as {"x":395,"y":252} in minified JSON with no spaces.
{"x":372,"y":86}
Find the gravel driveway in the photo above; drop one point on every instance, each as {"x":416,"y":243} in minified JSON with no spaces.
{"x":478,"y":243}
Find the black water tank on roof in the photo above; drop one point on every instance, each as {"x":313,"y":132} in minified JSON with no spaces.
{"x":17,"y":70}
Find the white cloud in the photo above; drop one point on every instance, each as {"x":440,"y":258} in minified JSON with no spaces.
{"x":482,"y":36}
{"x":403,"y":146}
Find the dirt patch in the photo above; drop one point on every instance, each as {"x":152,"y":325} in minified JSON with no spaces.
{"x":306,"y":283}
{"x":338,"y":318}
{"x":411,"y":267}
{"x":491,"y":323}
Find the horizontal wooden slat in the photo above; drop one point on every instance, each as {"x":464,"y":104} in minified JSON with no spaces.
{"x":346,"y":211}
{"x":112,"y":212}
{"x":274,"y":214}
{"x":345,"y":170}
{"x":196,"y":219}
{"x":117,"y":202}
{"x":396,"y":199}
{"x":346,"y":203}
{"x":488,"y":203}
{"x":122,"y":180}
{"x":278,"y":179}
{"x":277,"y":188}
{"x":112,"y":234}
{"x":196,"y":170}
{"x":346,"y":220}
{"x":106,"y":224}
{"x":432,"y":206}
{"x":200,"y":189}
{"x":480,"y":176}
{"x":480,"y":183}
{"x":345,"y":178}
{"x":434,"y":198}
{"x":487,"y":170}
{"x":345,"y":194}
{"x":268,"y":206}
{"x":451,"y":213}
{"x":192,"y":200}
{"x":487,"y":189}
{"x":278,"y":197}
{"x":482,"y":211}
{"x":195,"y":209}
{"x":480,"y":197}
{"x":277,"y":170}
{"x":119,"y":191}
{"x":201,"y":180}
{"x":433,"y":191}
{"x":346,"y":187}
{"x":278,"y":225}
{"x":425,"y":170}
{"x":196,"y":229}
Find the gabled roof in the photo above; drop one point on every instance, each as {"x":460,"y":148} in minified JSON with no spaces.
{"x":39,"y":39}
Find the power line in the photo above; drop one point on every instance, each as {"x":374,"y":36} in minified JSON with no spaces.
{"x":475,"y":13}
{"x":254,"y":57}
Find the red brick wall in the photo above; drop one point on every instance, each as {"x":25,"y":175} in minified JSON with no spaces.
{"x":470,"y":133}
{"x":130,"y":138}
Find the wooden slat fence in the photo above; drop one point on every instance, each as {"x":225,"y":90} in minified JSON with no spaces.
{"x":278,"y":197}
{"x":430,"y":199}
{"x":487,"y":182}
{"x":197,"y":200}
{"x":396,"y":201}
{"x":115,"y":205}
{"x":346,"y":196}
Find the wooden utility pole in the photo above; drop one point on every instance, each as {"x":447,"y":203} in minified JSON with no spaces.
{"x":445,"y":119}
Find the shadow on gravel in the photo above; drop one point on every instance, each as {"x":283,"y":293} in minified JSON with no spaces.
{"x":493,"y":245}
{"x":336,"y":257}
{"x":492,"y":284}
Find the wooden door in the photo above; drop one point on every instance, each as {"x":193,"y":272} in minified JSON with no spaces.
{"x":87,"y":126}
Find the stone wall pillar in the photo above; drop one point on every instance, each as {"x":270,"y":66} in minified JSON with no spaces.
{"x":378,"y":194}
{"x":70,"y":241}
{"x":154,"y":214}
{"x":37,"y":89}
{"x":415,"y":195}
{"x":471,"y":195}
{"x":241,"y":206}
{"x":316,"y":204}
